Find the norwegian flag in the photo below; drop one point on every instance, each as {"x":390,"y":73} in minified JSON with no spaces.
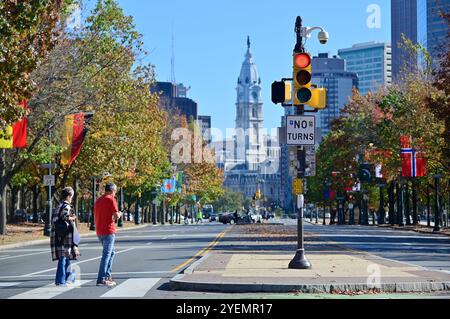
{"x":413,"y":163}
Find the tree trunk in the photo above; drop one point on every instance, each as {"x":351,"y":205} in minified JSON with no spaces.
{"x":13,"y":207}
{"x":391,"y":203}
{"x":35,"y":203}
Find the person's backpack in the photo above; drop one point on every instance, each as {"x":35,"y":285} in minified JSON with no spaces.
{"x":62,"y":227}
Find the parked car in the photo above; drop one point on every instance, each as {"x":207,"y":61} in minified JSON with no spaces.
{"x":21,"y":215}
{"x":213,"y":217}
{"x":227,"y":218}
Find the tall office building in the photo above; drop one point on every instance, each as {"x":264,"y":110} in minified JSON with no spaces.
{"x":205,"y":125}
{"x":432,"y":29}
{"x":372,"y":63}
{"x":403,"y":21}
{"x":173,"y":97}
{"x":331,"y":73}
{"x":419,"y":21}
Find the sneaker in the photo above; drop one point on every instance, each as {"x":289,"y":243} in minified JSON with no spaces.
{"x":112,"y":282}
{"x":104,"y":283}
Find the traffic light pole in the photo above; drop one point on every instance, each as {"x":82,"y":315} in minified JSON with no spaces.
{"x":299,"y":261}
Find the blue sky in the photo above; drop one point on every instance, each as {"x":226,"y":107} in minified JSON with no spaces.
{"x":210,"y":42}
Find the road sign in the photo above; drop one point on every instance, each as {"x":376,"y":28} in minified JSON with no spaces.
{"x":49,"y":180}
{"x":297,"y":186}
{"x":300,"y":130}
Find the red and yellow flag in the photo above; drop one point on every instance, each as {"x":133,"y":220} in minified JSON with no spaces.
{"x":16,"y":134}
{"x":75,"y":130}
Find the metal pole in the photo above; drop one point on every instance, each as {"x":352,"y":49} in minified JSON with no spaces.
{"x":381,"y":212}
{"x":94,"y":197}
{"x":163,"y":213}
{"x":414,"y":202}
{"x":120,"y":221}
{"x":437,"y":209}
{"x":400,"y":205}
{"x":48,"y":222}
{"x":428,"y":206}
{"x":317,"y":215}
{"x":299,"y":261}
{"x":407,"y":207}
{"x":324,"y":222}
{"x":352,"y":214}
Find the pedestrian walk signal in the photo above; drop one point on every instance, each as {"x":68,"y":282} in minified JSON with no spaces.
{"x":281,"y":92}
{"x":302,"y":78}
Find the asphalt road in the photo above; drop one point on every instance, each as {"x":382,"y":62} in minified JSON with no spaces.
{"x":145,"y":260}
{"x":431,"y":251}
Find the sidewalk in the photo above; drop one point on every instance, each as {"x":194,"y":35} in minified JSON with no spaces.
{"x":83,"y":229}
{"x":256,"y":260}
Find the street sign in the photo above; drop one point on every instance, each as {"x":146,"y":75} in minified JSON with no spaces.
{"x":297,"y":186}
{"x":49,"y":180}
{"x":300,"y":130}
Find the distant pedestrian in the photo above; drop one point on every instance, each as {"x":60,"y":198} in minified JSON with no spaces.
{"x":64,"y":238}
{"x":199,"y":215}
{"x":106,"y":213}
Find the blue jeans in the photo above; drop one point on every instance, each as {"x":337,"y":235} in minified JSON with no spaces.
{"x":64,"y":271}
{"x":105,"y":269}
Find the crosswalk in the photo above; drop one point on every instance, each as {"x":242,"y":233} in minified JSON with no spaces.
{"x":129,"y":288}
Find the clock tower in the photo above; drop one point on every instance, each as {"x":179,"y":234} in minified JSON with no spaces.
{"x":249,"y":120}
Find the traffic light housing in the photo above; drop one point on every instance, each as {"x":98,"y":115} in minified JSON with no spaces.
{"x":281,"y":92}
{"x":302,"y":78}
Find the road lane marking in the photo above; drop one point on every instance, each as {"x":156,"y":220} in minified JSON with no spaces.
{"x":132,"y":288}
{"x":47,"y":292}
{"x":18,"y":256}
{"x":9,"y":284}
{"x":201,"y":252}
{"x":78,"y":263}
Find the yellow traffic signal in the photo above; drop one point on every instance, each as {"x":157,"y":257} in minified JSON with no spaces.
{"x":297,"y":186}
{"x":302,"y":78}
{"x":281,"y":92}
{"x":318,"y":99}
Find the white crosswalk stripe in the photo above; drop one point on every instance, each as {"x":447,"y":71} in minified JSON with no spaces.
{"x":47,"y":292}
{"x":132,"y":288}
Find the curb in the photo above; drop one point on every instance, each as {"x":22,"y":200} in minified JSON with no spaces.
{"x":177,"y":283}
{"x":47,"y":240}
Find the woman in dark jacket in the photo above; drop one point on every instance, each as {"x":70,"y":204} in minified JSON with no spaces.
{"x":64,"y":247}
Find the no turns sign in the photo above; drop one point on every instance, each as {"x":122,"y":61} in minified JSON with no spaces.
{"x":300,"y":130}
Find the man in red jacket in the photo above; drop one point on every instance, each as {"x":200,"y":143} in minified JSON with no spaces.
{"x":106,"y":213}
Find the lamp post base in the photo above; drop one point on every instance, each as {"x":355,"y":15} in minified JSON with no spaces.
{"x":300,"y":261}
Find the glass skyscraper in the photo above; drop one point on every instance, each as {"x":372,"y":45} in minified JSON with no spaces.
{"x":420,"y":21}
{"x":372,"y":62}
{"x":331,"y":73}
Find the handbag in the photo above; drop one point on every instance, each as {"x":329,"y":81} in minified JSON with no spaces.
{"x":62,"y":227}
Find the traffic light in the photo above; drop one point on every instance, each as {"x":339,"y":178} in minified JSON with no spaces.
{"x":281,"y":92}
{"x":302,"y":78}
